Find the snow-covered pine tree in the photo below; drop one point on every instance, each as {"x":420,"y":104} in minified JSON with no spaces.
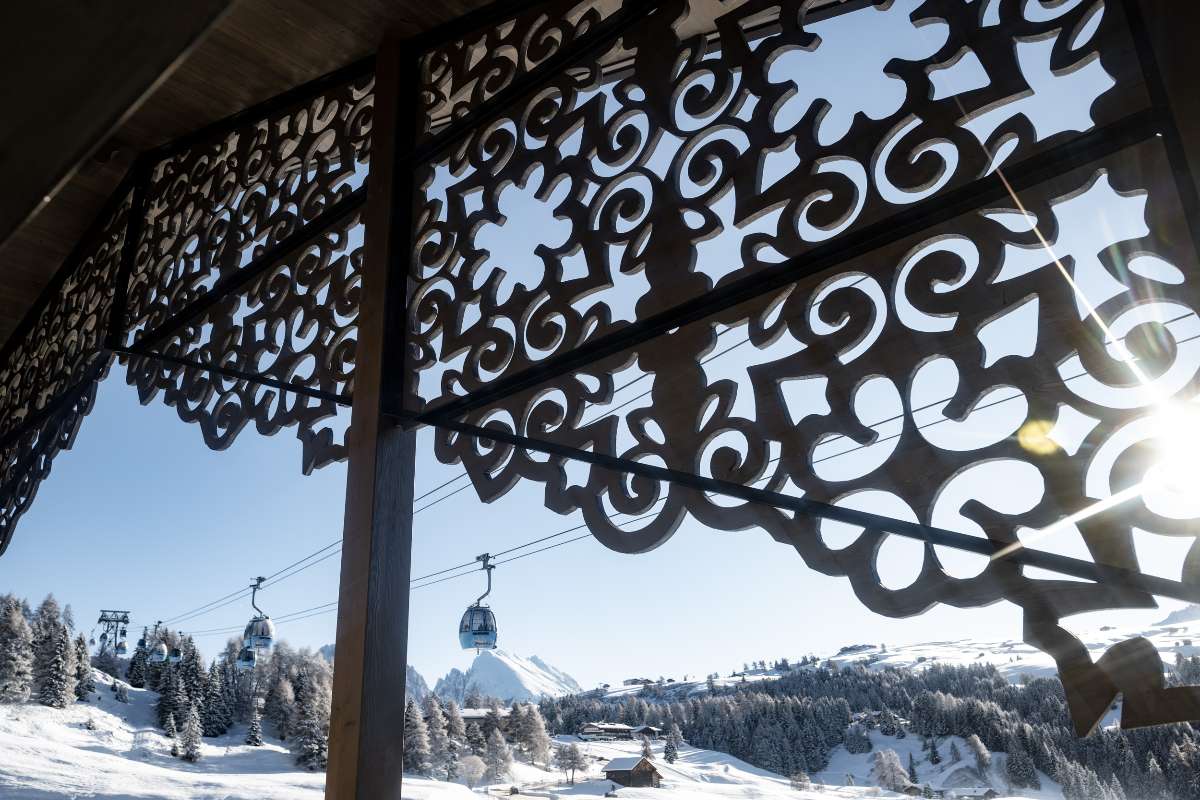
{"x":955,"y":753}
{"x":192,"y":675}
{"x":164,"y":707}
{"x":311,"y":733}
{"x":497,"y":757}
{"x":53,"y":663}
{"x":435,"y":725}
{"x":280,"y":706}
{"x":416,"y":740}
{"x":254,"y":731}
{"x":475,"y":739}
{"x":171,"y":733}
{"x":935,"y":757}
{"x":451,"y":759}
{"x":800,"y":781}
{"x":491,"y":722}
{"x":670,"y":752}
{"x":122,"y":693}
{"x":888,"y":772}
{"x":534,"y":739}
{"x":136,"y":673}
{"x":180,"y":701}
{"x":647,"y":750}
{"x":16,"y":656}
{"x":455,"y":727}
{"x":1018,"y":766}
{"x":675,"y":736}
{"x":912,"y":768}
{"x":189,"y":737}
{"x":215,"y":712}
{"x":84,"y":683}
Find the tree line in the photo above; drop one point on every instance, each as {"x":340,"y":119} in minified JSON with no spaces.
{"x":791,"y":725}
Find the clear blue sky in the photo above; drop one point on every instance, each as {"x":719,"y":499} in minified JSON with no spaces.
{"x":141,"y":515}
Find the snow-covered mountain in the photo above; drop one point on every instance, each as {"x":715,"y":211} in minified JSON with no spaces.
{"x":495,"y":673}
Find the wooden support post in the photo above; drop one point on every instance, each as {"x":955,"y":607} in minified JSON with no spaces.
{"x":365,"y":747}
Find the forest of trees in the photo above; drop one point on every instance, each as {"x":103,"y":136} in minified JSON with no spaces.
{"x":791,"y":725}
{"x":288,"y":694}
{"x":439,"y":744}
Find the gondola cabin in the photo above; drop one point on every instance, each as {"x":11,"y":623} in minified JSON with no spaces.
{"x":477,"y":630}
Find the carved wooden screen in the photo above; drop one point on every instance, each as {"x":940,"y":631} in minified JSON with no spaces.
{"x":224,"y":273}
{"x":850,"y":273}
{"x":944,"y":236}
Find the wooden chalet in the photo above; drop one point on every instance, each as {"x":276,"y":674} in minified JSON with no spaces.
{"x":634,"y":771}
{"x":606,"y":730}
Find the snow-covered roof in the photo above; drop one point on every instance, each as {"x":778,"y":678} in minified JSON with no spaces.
{"x":480,"y":713}
{"x":623,"y":764}
{"x":609,"y":726}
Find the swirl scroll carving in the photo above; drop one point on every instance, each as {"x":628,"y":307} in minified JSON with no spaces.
{"x":1000,"y":371}
{"x":214,"y":210}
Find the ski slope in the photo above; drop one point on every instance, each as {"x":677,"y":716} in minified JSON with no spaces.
{"x":49,"y":753}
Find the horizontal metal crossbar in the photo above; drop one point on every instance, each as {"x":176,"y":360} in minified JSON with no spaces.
{"x":992,"y":188}
{"x":237,"y":374}
{"x":1063,"y":565}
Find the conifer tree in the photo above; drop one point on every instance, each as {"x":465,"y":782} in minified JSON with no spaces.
{"x":416,"y":740}
{"x":497,"y":757}
{"x":189,"y":737}
{"x":455,"y":727}
{"x":136,"y":673}
{"x":435,"y":724}
{"x":169,"y":729}
{"x":675,"y":736}
{"x":475,"y":739}
{"x":254,"y":732}
{"x":647,"y":750}
{"x":533,"y":737}
{"x":912,"y":768}
{"x":164,"y":707}
{"x":955,"y":753}
{"x":1018,"y":767}
{"x":279,"y":707}
{"x":215,"y":712}
{"x":85,"y":684}
{"x":53,"y":665}
{"x":670,"y":753}
{"x":16,"y":655}
{"x":311,"y":733}
{"x":452,"y":767}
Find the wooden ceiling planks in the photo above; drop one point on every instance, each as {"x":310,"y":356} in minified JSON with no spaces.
{"x":259,"y":49}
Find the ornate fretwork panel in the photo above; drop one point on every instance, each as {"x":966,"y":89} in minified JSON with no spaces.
{"x":983,"y":355}
{"x":461,"y":74}
{"x":220,"y":210}
{"x":774,"y":136}
{"x":51,"y":368}
{"x":295,"y":324}
{"x":217,"y":205}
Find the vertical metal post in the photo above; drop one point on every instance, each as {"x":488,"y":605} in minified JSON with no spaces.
{"x":365,"y":747}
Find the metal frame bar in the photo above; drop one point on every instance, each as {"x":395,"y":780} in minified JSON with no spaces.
{"x":929,"y":534}
{"x":1084,"y":149}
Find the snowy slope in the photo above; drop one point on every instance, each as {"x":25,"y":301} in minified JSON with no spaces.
{"x":1179,"y":634}
{"x":495,"y":673}
{"x":49,"y":753}
{"x":697,"y":775}
{"x":1015,"y":659}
